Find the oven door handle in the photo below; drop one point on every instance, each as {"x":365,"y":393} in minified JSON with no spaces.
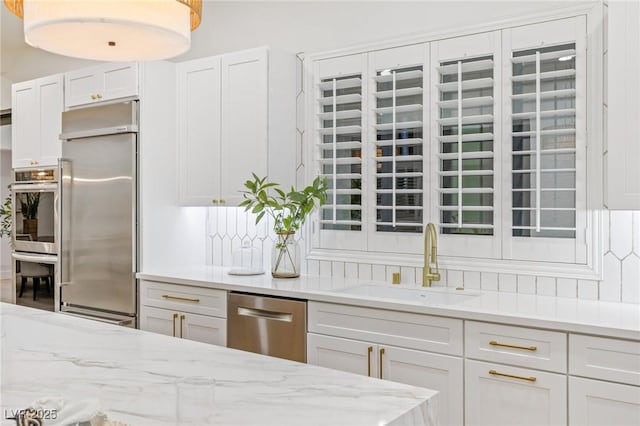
{"x":33,"y":187}
{"x":39,"y":258}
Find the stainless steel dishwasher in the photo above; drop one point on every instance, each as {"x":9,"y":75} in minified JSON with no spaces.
{"x":267,"y":325}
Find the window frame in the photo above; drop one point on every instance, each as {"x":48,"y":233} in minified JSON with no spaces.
{"x":594,"y":232}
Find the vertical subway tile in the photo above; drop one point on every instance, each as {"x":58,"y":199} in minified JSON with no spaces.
{"x":226,"y":251}
{"x":508,"y":283}
{"x":378,"y":272}
{"x":588,"y":289}
{"x":313,"y":267}
{"x":621,"y":234}
{"x":546,"y":286}
{"x":471,"y":280}
{"x":567,"y":287}
{"x":489,"y":281}
{"x":364,"y":271}
{"x":337,"y":269}
{"x":419,"y":271}
{"x":631,"y":279}
{"x":526,"y":284}
{"x":351,"y":270}
{"x":407,"y":275}
{"x":455,"y":278}
{"x":389,"y":271}
{"x":325,"y":268}
{"x":606,"y":231}
{"x":611,"y":285}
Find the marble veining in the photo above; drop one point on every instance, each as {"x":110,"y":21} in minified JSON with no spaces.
{"x":133,"y":375}
{"x":610,"y":319}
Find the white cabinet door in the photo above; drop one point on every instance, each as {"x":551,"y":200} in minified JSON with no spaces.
{"x":199,"y":131}
{"x":244,"y":148}
{"x":596,"y":403}
{"x":36,"y":122}
{"x":347,"y":355}
{"x":438,"y":372}
{"x":25,"y":126}
{"x":161,"y":321}
{"x":101,"y":83}
{"x":81,"y":87}
{"x":497,"y":395}
{"x":204,"y":329}
{"x":51,"y":104}
{"x":623,"y":106}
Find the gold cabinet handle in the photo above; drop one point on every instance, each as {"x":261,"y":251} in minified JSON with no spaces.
{"x":495,"y":373}
{"x":505,"y":345}
{"x":185,"y":299}
{"x":369,"y":351}
{"x":215,"y":201}
{"x":223,"y":202}
{"x":175,"y":316}
{"x":182,"y":317}
{"x":93,"y":97}
{"x":381,"y":353}
{"x":99,"y":96}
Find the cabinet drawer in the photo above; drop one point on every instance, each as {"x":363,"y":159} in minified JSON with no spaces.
{"x":604,"y":358}
{"x":596,"y":403}
{"x":545,"y":350}
{"x":183,"y":298}
{"x":423,"y":332}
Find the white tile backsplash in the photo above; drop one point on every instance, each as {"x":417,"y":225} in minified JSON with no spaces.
{"x":508,"y":283}
{"x":526,"y":284}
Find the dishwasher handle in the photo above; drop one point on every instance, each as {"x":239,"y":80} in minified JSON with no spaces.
{"x":261,"y":313}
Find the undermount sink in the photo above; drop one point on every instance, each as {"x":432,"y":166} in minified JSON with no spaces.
{"x":416,"y":295}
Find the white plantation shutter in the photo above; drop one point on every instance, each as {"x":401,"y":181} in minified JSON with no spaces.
{"x":340,"y":103}
{"x":546,"y":96}
{"x":397,"y":174}
{"x":466,"y":141}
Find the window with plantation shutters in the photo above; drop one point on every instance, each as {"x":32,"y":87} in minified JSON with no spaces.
{"x":341,"y":146}
{"x":466,"y":141}
{"x":546,"y":134}
{"x":340,"y":102}
{"x":399,"y":155}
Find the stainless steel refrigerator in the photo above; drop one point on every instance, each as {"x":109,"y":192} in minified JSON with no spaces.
{"x":98,"y":203}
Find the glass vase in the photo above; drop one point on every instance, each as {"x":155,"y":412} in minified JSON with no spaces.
{"x":285,"y":256}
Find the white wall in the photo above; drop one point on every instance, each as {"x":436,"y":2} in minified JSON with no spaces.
{"x":5,"y":94}
{"x":5,"y":179}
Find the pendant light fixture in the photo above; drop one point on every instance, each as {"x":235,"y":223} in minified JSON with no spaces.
{"x":109,"y":30}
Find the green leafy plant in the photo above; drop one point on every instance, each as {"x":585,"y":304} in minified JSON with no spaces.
{"x":289,"y":210}
{"x":6,"y":218}
{"x":29,"y":203}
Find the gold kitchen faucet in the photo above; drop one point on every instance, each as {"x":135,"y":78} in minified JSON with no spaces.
{"x":430,"y":256}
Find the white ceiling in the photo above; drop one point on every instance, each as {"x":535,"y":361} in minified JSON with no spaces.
{"x":291,"y":25}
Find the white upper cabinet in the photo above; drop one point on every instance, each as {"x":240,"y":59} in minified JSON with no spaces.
{"x":236,"y":117}
{"x":101,"y":83}
{"x":622,"y":191}
{"x":36,"y":121}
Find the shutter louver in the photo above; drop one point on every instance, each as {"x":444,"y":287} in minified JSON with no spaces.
{"x":466,"y":146}
{"x":399,"y":150}
{"x":544,"y":142}
{"x":340,"y":131}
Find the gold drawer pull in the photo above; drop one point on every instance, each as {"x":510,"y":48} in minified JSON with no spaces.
{"x":182,"y":317}
{"x":369,"y":360}
{"x":186,"y":299}
{"x":505,"y":345}
{"x":381,"y":353}
{"x":495,"y":373}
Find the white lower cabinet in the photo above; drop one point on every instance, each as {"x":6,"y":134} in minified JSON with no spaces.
{"x":180,"y":311}
{"x":433,"y":371}
{"x":598,"y":403}
{"x":497,"y":395}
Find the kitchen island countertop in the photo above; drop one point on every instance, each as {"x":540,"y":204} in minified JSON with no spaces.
{"x":133,"y":374}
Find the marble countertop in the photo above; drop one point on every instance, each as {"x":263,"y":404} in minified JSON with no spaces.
{"x":134,"y":373}
{"x":609,"y":319}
